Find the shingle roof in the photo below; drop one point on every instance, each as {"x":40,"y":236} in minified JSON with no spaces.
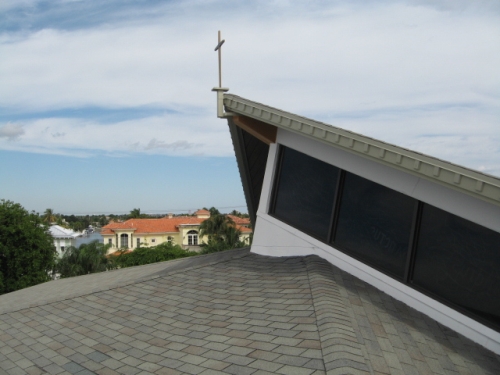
{"x":226,"y":313}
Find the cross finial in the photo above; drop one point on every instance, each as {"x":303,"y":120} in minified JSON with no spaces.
{"x":221,"y":90}
{"x":218,"y":48}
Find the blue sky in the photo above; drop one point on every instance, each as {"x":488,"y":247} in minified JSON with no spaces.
{"x":106,"y":106}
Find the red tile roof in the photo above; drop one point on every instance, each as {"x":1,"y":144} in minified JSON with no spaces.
{"x":244,"y":229}
{"x":240,"y":220}
{"x":202,"y":212}
{"x":163,"y":225}
{"x":109,"y":229}
{"x":166,"y":224}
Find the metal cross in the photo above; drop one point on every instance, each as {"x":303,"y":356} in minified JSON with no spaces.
{"x":218,"y":48}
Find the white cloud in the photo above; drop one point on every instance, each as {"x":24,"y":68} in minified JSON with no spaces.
{"x":11,"y":131}
{"x":176,"y":145}
{"x":403,"y":72}
{"x":167,"y":135}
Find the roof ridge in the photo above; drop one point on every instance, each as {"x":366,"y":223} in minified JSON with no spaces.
{"x":13,"y":301}
{"x":339,"y":343}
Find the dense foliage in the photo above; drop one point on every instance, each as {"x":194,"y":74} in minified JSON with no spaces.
{"x":214,"y":246}
{"x":87,"y":258}
{"x":79,"y":223}
{"x":136,"y":214}
{"x":27,"y":252}
{"x":147,"y":255}
{"x":216,"y":227}
{"x":221,"y":232}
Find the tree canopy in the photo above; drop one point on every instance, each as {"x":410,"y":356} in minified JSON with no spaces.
{"x":147,"y":255}
{"x":27,"y":252}
{"x":213,"y":211}
{"x":136,"y":214}
{"x":221,"y":232}
{"x":49,"y":216}
{"x":216,"y":226}
{"x":87,"y":258}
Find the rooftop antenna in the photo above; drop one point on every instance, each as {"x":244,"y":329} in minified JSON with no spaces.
{"x":220,"y":90}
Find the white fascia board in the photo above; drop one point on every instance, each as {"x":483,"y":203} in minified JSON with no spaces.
{"x":465,"y":180}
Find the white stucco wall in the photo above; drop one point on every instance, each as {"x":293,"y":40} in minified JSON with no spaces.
{"x":275,"y":238}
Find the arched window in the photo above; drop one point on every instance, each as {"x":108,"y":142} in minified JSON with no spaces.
{"x":192,"y":237}
{"x":124,"y":240}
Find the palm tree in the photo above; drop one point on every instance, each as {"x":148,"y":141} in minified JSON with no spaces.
{"x":49,"y":216}
{"x":232,"y":237}
{"x":136,"y":214}
{"x":87,"y":258}
{"x":214,"y":211}
{"x":222,"y":233}
{"x":216,"y":227}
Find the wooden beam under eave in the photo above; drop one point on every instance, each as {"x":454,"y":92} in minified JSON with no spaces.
{"x":260,"y":130}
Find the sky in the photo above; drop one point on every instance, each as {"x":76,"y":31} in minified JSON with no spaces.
{"x":106,"y":106}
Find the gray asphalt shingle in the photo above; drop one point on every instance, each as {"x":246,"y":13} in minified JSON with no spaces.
{"x":227,"y":313}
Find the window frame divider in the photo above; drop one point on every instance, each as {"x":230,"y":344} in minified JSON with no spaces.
{"x":412,"y":244}
{"x":276,"y":179}
{"x":339,"y":190}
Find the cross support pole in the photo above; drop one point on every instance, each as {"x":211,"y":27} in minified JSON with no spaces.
{"x":220,"y":90}
{"x":219,"y":50}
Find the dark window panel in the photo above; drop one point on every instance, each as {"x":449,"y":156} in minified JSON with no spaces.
{"x":305,"y":193}
{"x":459,"y":261}
{"x":374,"y":224}
{"x":256,"y":153}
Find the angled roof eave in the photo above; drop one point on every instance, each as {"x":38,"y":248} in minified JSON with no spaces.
{"x":469,"y":181}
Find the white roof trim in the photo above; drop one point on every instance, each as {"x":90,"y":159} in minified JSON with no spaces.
{"x":460,"y":178}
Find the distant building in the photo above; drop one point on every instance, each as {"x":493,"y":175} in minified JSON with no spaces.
{"x":63,"y":238}
{"x":421,"y":229}
{"x":180,"y":230}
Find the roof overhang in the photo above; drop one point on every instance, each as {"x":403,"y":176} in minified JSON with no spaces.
{"x":254,"y":117}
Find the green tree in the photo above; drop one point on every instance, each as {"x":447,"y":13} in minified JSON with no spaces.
{"x":136,"y":214}
{"x":49,"y":216}
{"x":221,"y":232}
{"x":147,"y":255}
{"x":214,"y":211}
{"x":238,"y":214}
{"x":214,"y":246}
{"x":216,"y":226}
{"x":77,"y":226}
{"x":232,"y":237}
{"x":27,"y":252}
{"x":60,"y":222}
{"x":102,"y":220}
{"x":87,"y":258}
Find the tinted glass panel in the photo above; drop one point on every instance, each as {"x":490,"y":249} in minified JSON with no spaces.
{"x":459,"y":261}
{"x":256,"y":153}
{"x":374,"y":224}
{"x":305,"y":193}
